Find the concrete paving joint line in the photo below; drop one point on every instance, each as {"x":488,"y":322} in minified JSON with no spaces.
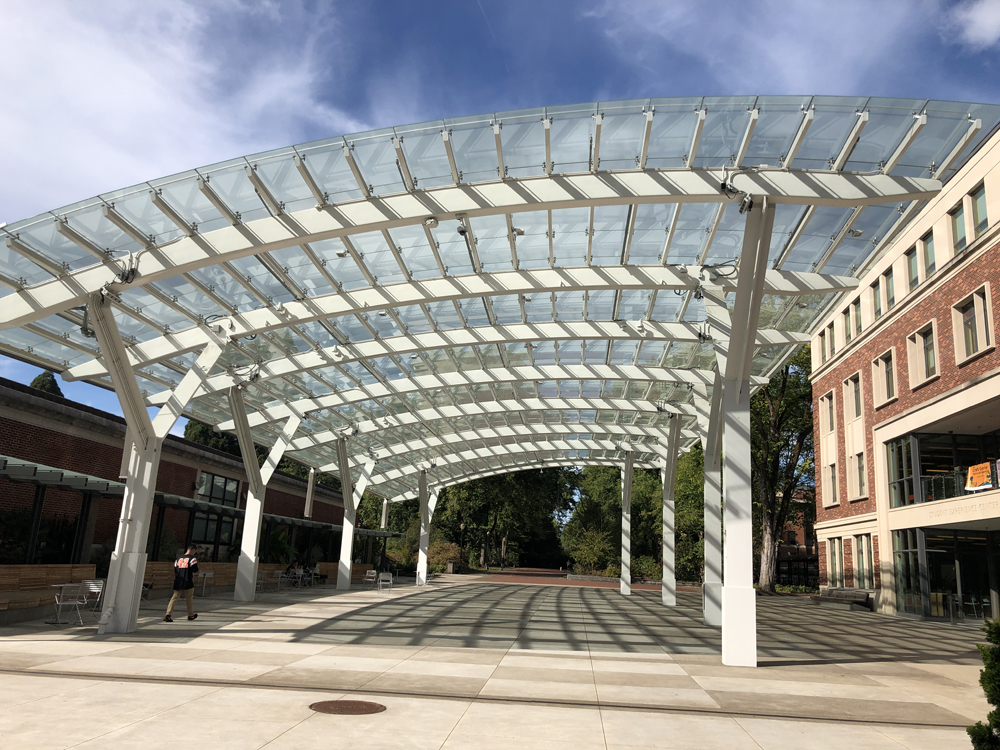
{"x":505,"y":700}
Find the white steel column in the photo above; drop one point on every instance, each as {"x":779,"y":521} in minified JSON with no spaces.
{"x":626,"y":571}
{"x":352,"y":493}
{"x":143,"y":444}
{"x":425,"y":530}
{"x":712,"y":587}
{"x":310,"y":488}
{"x":668,"y":477}
{"x":739,"y":598}
{"x":385,"y":514}
{"x":257,"y":479}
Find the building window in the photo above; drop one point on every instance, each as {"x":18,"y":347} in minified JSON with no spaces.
{"x":822,"y":347}
{"x":890,"y":290}
{"x":929,"y":266}
{"x":912,"y":272}
{"x":831,"y":484}
{"x":864,"y":562}
{"x":859,"y":468}
{"x":791,"y":537}
{"x":847,"y":326}
{"x":833,"y":339}
{"x":827,"y":417}
{"x":979,"y":220}
{"x":922,"y":354}
{"x":835,"y":563}
{"x":877,"y":299}
{"x":884,"y":378}
{"x":899,"y":454}
{"x":958,"y":229}
{"x":972,"y":323}
{"x":855,"y":387}
{"x":857,"y":317}
{"x":218,"y":490}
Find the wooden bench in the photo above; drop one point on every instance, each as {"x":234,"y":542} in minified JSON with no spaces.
{"x":28,"y":586}
{"x":838,"y":598}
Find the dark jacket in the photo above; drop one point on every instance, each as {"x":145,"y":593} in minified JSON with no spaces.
{"x":184,"y":569}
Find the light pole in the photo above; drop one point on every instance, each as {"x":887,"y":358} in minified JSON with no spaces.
{"x":461,"y":544}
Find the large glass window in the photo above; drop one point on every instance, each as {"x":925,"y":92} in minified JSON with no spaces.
{"x":979,"y":219}
{"x":969,"y":333}
{"x":835,"y":563}
{"x":860,"y":473}
{"x":847,"y":326}
{"x":218,"y":490}
{"x":856,"y":392}
{"x":877,"y":299}
{"x":864,"y":563}
{"x":900,"y":464}
{"x":890,"y":290}
{"x":857,"y":317}
{"x":930,"y":358}
{"x":905,"y":546}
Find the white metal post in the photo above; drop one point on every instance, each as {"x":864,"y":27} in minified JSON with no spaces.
{"x":310,"y":488}
{"x":350,"y":512}
{"x":668,"y":477}
{"x":739,"y":598}
{"x":385,"y":514}
{"x":425,"y":530}
{"x":712,"y":586}
{"x":257,"y":479}
{"x":626,"y":571}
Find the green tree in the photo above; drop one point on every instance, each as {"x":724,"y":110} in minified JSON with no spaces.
{"x":987,"y":736}
{"x":46,"y":382}
{"x":689,"y":516}
{"x":781,"y":456}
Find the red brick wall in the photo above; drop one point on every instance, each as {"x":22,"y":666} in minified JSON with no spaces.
{"x":937,"y":305}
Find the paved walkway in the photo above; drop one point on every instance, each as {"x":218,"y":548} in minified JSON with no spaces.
{"x":489,"y":665}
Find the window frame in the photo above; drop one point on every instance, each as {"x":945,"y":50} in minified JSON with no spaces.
{"x":864,"y":562}
{"x":846,"y":318}
{"x":890,"y":288}
{"x":916,"y":354}
{"x":876,"y":290}
{"x":880,"y":393}
{"x":957,"y":216}
{"x":912,"y":269}
{"x":927,"y":254}
{"x":982,"y":303}
{"x":979,"y":224}
{"x":835,"y":563}
{"x":858,"y":322}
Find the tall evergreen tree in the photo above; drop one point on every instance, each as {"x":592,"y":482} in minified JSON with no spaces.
{"x":46,"y":382}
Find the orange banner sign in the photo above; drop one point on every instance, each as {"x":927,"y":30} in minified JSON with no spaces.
{"x":978,"y":478}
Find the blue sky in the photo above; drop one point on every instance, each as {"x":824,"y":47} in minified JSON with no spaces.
{"x":97,"y":96}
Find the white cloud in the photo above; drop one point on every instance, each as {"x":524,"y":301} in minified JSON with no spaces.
{"x":772,"y":47}
{"x":101,"y":96}
{"x":977,"y":23}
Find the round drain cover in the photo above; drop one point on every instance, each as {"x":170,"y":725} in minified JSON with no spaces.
{"x":349,"y":708}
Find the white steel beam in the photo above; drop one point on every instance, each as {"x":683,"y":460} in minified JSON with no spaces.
{"x":541,"y":463}
{"x":595,"y":157}
{"x":486,"y":452}
{"x":800,"y":135}
{"x":404,"y":169}
{"x":425,"y":529}
{"x":625,"y":574}
{"x":263,"y":320}
{"x":747,"y":134}
{"x":712,"y":443}
{"x":470,"y":378}
{"x":919,"y":122}
{"x":277,"y":207}
{"x":456,"y":176}
{"x":483,"y":199}
{"x":220,"y":205}
{"x":699,"y":126}
{"x":157,"y":199}
{"x":647,"y":129}
{"x":356,"y":170}
{"x":541,"y":431}
{"x":479,"y":336}
{"x":303,"y":170}
{"x":351,"y":492}
{"x":852,"y":140}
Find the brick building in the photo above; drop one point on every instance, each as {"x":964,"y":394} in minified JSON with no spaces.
{"x":56,"y":432}
{"x":907,"y":410}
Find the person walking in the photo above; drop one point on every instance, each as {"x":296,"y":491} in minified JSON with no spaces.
{"x":184,"y":569}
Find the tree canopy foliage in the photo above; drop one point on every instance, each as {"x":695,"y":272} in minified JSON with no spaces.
{"x":781,"y":456}
{"x":46,"y":382}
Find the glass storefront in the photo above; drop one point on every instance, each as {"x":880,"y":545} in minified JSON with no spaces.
{"x":937,"y":569}
{"x":942,"y":464}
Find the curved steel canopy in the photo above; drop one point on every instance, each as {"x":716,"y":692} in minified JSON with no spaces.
{"x":477,"y":295}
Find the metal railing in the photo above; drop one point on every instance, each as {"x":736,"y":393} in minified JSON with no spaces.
{"x":952,"y":484}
